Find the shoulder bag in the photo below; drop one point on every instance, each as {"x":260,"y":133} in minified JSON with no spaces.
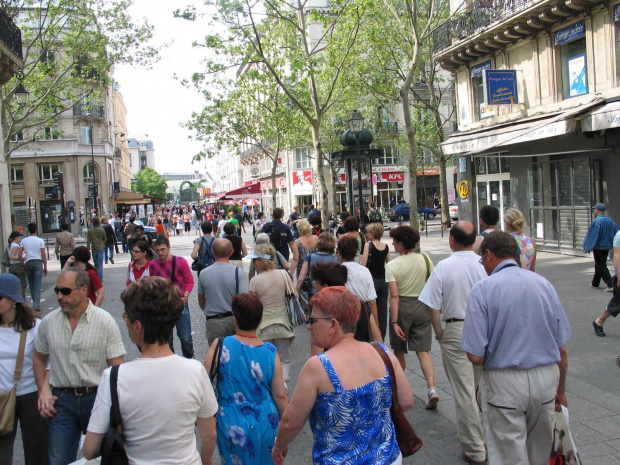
{"x":296,"y":313}
{"x":6,"y":260}
{"x":8,"y":399}
{"x":215,"y":365}
{"x":408,"y":441}
{"x":307,"y":285}
{"x":113,"y":446}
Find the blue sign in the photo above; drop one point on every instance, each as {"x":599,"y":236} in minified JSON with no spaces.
{"x":617,"y":13}
{"x":500,"y":87}
{"x":476,"y":71}
{"x":570,"y":33}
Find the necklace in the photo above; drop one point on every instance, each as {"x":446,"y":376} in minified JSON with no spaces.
{"x":341,"y":340}
{"x":246,"y":335}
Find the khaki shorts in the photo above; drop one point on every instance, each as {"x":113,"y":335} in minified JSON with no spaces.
{"x":415,"y":321}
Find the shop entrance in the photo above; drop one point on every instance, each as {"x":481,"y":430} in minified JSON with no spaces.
{"x":493,"y":184}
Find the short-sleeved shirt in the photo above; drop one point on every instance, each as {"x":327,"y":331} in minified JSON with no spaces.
{"x":616,"y":245}
{"x":270,"y":288}
{"x":450,"y":283}
{"x":284,"y":241}
{"x":514,"y":326}
{"x":409,"y":273}
{"x":32,"y":245}
{"x":182,"y":274}
{"x":217,"y":284}
{"x":78,"y":358}
{"x":359,"y":281}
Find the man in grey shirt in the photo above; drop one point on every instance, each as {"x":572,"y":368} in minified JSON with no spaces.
{"x":217,"y":285}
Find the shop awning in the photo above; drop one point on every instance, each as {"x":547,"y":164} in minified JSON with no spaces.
{"x":251,"y":191}
{"x":605,"y":117}
{"x":131,"y":197}
{"x":527,"y":130}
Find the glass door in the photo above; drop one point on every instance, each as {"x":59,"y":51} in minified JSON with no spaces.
{"x":496,"y":193}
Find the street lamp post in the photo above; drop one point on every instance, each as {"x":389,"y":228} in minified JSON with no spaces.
{"x":89,"y":115}
{"x":356,"y":125}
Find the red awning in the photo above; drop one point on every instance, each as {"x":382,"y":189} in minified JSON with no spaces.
{"x":251,"y":191}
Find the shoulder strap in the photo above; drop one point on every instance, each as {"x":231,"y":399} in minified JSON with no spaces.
{"x":115,"y":411}
{"x":428,"y":266}
{"x":331,"y":372}
{"x":390,"y":368}
{"x":20,"y":356}
{"x":173,"y":277}
{"x":236,"y":280}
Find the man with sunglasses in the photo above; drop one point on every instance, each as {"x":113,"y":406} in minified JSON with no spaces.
{"x":176,"y":270}
{"x":80,"y":341}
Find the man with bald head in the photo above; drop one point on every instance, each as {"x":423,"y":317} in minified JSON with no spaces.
{"x":217,"y":285}
{"x":447,"y":293}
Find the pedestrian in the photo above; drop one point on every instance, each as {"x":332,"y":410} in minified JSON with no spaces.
{"x":410,"y":323}
{"x":140,"y":236}
{"x":217,"y":285}
{"x":489,"y":218}
{"x":306,"y":245}
{"x":16,"y":267}
{"x":110,"y":242}
{"x":239,"y":248}
{"x":613,"y":306}
{"x":281,"y":263}
{"x":180,"y":224}
{"x":130,"y":232}
{"x":239,"y":218}
{"x":340,"y":230}
{"x":259,"y":223}
{"x":373,"y":215}
{"x":156,"y":389}
{"x":313,"y":211}
{"x":316,"y":224}
{"x":203,"y":244}
{"x":65,"y":243}
{"x":518,"y":386}
{"x":187,"y":222}
{"x":117,"y":224}
{"x":123,"y":235}
{"x":514,"y":223}
{"x":176,"y":269}
{"x":159,"y":227}
{"x":325,"y":252}
{"x":95,"y":240}
{"x":436,"y":201}
{"x":293,"y":219}
{"x":139,"y":266}
{"x":262,"y":388}
{"x":17,"y":320}
{"x":33,"y":257}
{"x":352,"y":228}
{"x":165,"y":222}
{"x":447,"y":293}
{"x":281,"y":236}
{"x":80,"y":259}
{"x":599,"y":240}
{"x":74,"y":374}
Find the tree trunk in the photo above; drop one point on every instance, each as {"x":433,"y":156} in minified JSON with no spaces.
{"x":412,"y":162}
{"x":443,"y":187}
{"x":320,"y":175}
{"x":274,"y":167}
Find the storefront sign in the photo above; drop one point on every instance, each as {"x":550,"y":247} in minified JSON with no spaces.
{"x":605,"y":117}
{"x":617,"y":13}
{"x":302,"y":182}
{"x":463,"y":189}
{"x":570,"y":33}
{"x":267,"y":185}
{"x":391,"y":177}
{"x":476,"y":70}
{"x":500,"y":87}
{"x":428,"y":172}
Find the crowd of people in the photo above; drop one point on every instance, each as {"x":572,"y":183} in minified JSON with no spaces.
{"x":354,"y":291}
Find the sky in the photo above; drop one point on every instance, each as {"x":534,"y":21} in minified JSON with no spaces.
{"x":156,"y":102}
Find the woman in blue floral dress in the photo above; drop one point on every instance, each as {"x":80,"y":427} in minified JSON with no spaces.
{"x":252,"y":396}
{"x":346,"y":392}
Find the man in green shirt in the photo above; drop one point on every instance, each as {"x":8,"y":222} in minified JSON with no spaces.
{"x":95,"y":241}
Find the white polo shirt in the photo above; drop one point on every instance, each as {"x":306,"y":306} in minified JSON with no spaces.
{"x":32,"y":245}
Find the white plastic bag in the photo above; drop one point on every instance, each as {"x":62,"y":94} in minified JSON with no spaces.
{"x":563,"y":449}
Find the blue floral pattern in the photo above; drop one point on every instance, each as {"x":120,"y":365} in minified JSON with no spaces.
{"x":353,"y":426}
{"x":248,"y":419}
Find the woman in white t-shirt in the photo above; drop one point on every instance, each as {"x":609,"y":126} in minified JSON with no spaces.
{"x":16,"y":267}
{"x":158,"y":412}
{"x":15,"y":318}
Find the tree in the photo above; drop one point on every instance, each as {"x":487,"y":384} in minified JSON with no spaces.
{"x":312,"y":69}
{"x":150,"y":183}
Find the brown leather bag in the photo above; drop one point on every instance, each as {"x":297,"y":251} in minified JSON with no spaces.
{"x":408,"y":441}
{"x":8,"y":399}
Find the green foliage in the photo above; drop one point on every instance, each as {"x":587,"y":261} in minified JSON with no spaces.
{"x":150,"y":183}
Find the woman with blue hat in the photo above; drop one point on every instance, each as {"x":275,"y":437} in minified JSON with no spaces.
{"x":17,"y":319}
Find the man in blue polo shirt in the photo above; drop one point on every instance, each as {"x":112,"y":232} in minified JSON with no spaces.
{"x":518,"y":333}
{"x":599,"y":240}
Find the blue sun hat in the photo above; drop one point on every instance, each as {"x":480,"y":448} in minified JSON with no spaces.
{"x":599,"y":206}
{"x":11,"y":287}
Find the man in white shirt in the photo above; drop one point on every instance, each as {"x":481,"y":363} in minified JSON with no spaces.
{"x":447,"y":293}
{"x":35,"y":261}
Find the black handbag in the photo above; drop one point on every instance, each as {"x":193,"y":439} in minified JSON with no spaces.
{"x":307,"y":285}
{"x":113,"y":447}
{"x":215,"y":365}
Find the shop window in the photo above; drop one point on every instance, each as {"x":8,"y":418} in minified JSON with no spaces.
{"x":46,"y":172}
{"x":17,"y":175}
{"x":303,"y":158}
{"x":574,"y":68}
{"x":481,"y":165}
{"x":492,"y":165}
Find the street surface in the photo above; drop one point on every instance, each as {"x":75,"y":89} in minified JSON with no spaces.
{"x":593,"y":377}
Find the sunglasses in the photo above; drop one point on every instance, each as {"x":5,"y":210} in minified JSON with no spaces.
{"x":313,"y":319}
{"x":66,"y":290}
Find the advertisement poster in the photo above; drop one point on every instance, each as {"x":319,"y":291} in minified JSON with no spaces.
{"x":578,"y":75}
{"x":302,"y":182}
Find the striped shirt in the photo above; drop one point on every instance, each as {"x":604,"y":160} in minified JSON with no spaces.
{"x":183,"y":275}
{"x":78,"y":358}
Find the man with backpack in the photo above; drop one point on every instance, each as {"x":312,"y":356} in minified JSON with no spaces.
{"x":374,"y":215}
{"x":280,"y":235}
{"x":203,"y":247}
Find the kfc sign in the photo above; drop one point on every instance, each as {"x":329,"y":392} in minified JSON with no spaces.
{"x":302,"y":182}
{"x":391,"y":177}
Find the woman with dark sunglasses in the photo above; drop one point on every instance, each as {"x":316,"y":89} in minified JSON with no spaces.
{"x":139,"y":267}
{"x":345,"y":392}
{"x":80,"y":259}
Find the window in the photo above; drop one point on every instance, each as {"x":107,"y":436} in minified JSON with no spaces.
{"x":390,"y":156}
{"x":86,"y":135}
{"x":47,"y":62}
{"x":46,"y":172}
{"x":18,"y":136}
{"x":427,"y":157}
{"x":87,"y":172}
{"x":574,"y":68}
{"x":303,"y":158}
{"x":491,"y":165}
{"x":482,"y":109}
{"x":52,"y":132}
{"x":17,"y":174}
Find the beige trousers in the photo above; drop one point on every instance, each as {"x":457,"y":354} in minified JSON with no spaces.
{"x":518,"y":412}
{"x":463,"y":377}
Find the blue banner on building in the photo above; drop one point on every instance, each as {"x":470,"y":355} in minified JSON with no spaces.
{"x":476,"y":70}
{"x":617,"y":13}
{"x":570,"y":33}
{"x":500,"y":87}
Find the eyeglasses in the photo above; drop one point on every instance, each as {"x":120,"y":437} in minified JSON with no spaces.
{"x":484,"y":255}
{"x":65,"y":290}
{"x":137,"y":251}
{"x":312,"y":319}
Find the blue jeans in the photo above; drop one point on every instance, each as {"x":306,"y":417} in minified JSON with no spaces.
{"x":109,"y":249}
{"x":184,"y":331}
{"x":34,"y":274}
{"x":71,"y":419}
{"x":98,"y":262}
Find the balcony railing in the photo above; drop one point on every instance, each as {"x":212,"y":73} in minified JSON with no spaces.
{"x":476,"y":18}
{"x":98,"y":111}
{"x":10,"y":34}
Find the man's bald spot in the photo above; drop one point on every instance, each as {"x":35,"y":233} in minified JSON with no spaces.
{"x":222,"y":248}
{"x":463,"y":233}
{"x":466,"y":226}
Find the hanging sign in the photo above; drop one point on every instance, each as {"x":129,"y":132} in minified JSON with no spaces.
{"x":500,"y":87}
{"x":476,"y":70}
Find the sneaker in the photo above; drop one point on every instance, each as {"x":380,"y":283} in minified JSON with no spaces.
{"x":432,"y":399}
{"x":598,"y":329}
{"x":609,"y":289}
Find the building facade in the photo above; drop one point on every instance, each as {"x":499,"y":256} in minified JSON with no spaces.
{"x":141,"y":154}
{"x":537,"y":90}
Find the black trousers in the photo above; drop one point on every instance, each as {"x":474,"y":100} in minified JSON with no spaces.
{"x":600,"y":268}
